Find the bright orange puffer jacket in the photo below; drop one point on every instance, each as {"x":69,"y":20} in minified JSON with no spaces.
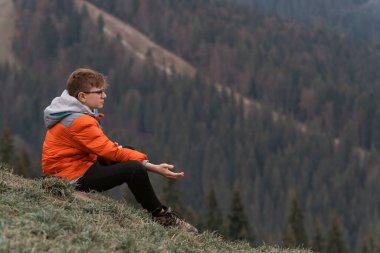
{"x":74,"y":140}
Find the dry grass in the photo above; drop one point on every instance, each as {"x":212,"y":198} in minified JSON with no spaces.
{"x":46,"y":215}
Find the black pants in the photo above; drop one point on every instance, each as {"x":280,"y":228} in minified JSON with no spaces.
{"x":104,"y":177}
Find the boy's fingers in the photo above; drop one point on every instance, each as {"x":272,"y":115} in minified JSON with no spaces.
{"x":175,"y":175}
{"x":169,"y":166}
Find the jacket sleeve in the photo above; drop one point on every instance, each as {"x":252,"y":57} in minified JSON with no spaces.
{"x":87,"y":133}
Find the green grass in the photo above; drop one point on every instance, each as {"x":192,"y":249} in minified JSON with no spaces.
{"x":46,"y":215}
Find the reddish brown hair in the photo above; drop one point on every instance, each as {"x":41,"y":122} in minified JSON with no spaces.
{"x":83,"y":79}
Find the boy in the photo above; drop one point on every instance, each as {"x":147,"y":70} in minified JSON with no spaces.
{"x":76,"y":149}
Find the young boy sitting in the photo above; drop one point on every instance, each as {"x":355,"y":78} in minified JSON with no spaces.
{"x":76,"y":149}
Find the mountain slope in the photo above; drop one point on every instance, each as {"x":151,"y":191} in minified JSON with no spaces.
{"x":48,"y":216}
{"x":137,"y":43}
{"x":140,"y":45}
{"x":311,"y":74}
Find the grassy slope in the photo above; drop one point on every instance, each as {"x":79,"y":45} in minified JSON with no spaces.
{"x":47,"y":215}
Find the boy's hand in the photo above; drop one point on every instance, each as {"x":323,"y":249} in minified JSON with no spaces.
{"x":164,"y":169}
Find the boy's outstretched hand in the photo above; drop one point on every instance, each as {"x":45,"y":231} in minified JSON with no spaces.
{"x":165,"y":170}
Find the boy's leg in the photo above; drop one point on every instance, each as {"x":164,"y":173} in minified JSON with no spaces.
{"x":104,"y":177}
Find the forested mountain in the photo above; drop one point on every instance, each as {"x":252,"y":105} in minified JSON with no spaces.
{"x":316,"y":76}
{"x":325,"y":176}
{"x":359,"y":18}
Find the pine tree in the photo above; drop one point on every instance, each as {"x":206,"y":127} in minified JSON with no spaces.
{"x":6,"y":146}
{"x":289,"y":237}
{"x":100,"y":23}
{"x":317,"y":244}
{"x":368,"y":246}
{"x":23,"y":165}
{"x":295,"y":234}
{"x":171,"y":196}
{"x":214,"y":219}
{"x":335,"y":243}
{"x":238,"y":226}
{"x":49,"y":33}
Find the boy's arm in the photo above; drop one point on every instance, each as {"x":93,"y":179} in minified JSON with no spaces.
{"x":86,"y":132}
{"x":162,"y":169}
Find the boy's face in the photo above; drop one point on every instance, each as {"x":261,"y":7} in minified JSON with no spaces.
{"x":94,"y":98}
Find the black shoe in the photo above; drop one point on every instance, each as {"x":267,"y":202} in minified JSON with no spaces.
{"x":168,"y":218}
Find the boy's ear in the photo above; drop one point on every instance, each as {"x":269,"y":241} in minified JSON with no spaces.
{"x":81,"y":97}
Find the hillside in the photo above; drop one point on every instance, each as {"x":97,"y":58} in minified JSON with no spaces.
{"x":140,"y":46}
{"x":137,"y":43}
{"x":313,"y":75}
{"x":46,"y":215}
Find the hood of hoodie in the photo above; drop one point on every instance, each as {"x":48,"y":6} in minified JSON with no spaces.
{"x":62,"y":107}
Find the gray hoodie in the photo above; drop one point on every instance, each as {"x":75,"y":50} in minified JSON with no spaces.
{"x":65,"y":109}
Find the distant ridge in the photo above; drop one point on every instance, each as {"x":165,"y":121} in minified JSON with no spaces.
{"x":137,"y":43}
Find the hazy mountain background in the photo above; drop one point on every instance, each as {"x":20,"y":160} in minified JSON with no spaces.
{"x":290,"y":144}
{"x":359,"y":18}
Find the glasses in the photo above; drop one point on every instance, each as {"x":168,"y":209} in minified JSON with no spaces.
{"x":99,"y":92}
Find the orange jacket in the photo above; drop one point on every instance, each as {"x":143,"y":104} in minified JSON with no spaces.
{"x":71,"y":147}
